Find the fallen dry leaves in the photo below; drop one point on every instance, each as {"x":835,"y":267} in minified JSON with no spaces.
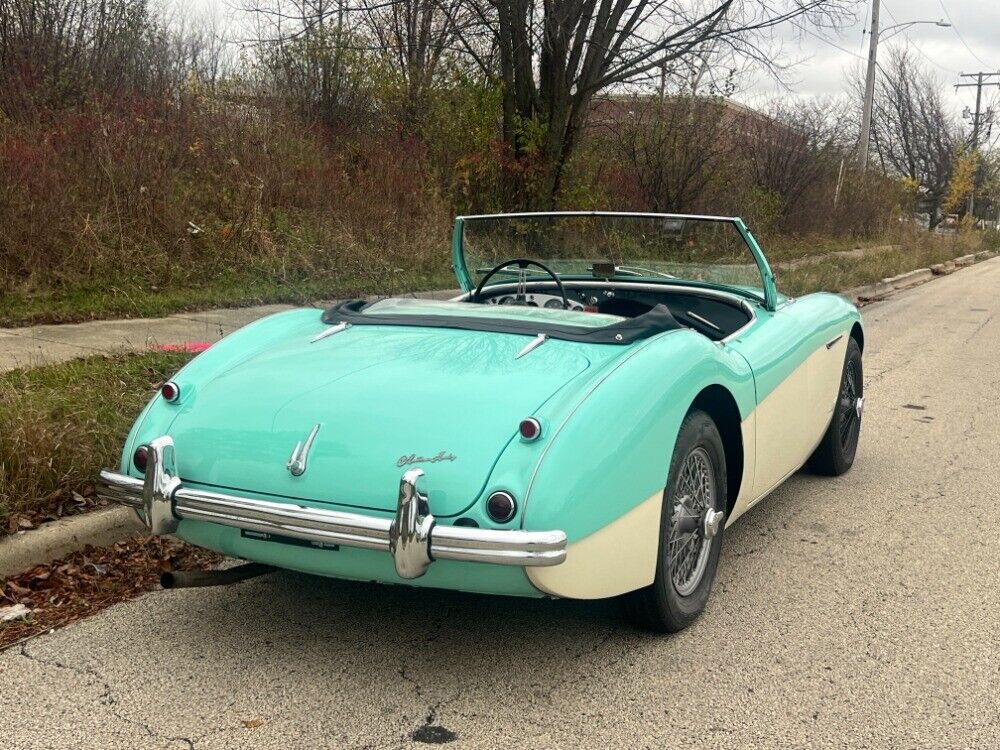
{"x":86,"y":582}
{"x":57,"y":504}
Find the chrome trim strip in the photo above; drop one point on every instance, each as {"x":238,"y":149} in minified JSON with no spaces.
{"x":618,"y":214}
{"x":300,"y":454}
{"x":413,"y":536}
{"x":329,"y":332}
{"x":709,"y":323}
{"x":829,"y":344}
{"x":532,"y":345}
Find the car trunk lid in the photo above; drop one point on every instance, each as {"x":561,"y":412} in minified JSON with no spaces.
{"x":384,"y":399}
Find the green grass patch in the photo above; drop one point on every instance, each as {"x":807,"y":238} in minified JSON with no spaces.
{"x":60,"y":424}
{"x":100,"y":302}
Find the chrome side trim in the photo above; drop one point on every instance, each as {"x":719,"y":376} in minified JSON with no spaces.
{"x":709,"y":323}
{"x":329,"y":332}
{"x":412,"y":536}
{"x":532,"y":345}
{"x":829,"y":344}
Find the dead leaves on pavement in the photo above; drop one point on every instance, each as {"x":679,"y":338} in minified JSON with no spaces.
{"x":86,"y":582}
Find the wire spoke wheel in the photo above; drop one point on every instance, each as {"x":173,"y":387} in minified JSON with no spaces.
{"x":694,"y":498}
{"x":850,"y":422}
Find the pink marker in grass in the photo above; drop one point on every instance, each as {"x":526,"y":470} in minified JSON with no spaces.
{"x":192,"y":347}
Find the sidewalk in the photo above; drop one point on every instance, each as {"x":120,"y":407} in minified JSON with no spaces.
{"x":41,"y":345}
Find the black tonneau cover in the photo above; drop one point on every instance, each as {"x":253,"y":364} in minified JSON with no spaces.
{"x":643,"y":326}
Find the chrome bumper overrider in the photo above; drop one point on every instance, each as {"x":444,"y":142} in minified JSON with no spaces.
{"x":412,"y":537}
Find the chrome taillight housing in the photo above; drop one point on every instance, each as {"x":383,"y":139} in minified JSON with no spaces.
{"x":530,"y":429}
{"x":501,"y":506}
{"x":170,"y":391}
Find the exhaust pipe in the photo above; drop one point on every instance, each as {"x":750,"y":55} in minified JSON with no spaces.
{"x":186,"y":579}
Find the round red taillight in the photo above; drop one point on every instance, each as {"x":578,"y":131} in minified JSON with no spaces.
{"x":170,"y":391}
{"x":501,"y":506}
{"x":530,"y":428}
{"x":141,"y":458}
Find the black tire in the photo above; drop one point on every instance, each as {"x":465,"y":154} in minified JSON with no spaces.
{"x":662,"y":607}
{"x":835,"y":453}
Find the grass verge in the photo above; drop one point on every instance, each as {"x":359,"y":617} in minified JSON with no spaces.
{"x":21,"y":307}
{"x":60,"y":423}
{"x":839,"y":273}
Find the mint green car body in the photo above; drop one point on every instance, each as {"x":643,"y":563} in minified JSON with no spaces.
{"x":609,"y":415}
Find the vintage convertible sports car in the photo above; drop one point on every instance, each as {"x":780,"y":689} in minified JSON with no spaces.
{"x":606,"y":395}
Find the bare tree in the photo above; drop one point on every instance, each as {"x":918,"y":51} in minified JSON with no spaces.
{"x":415,"y":36}
{"x":56,"y":53}
{"x":672,"y":145}
{"x":195,"y":46}
{"x":53,"y":51}
{"x":912,"y":133}
{"x":791,"y":150}
{"x":309,"y":54}
{"x":556,"y":56}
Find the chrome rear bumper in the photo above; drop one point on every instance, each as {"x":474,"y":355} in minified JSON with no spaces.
{"x":413,"y":538}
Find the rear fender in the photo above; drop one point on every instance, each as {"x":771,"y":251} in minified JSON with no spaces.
{"x":601,"y":476}
{"x":157,"y":416}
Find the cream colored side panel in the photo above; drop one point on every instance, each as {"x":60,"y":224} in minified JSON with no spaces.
{"x":792,"y":419}
{"x":619,"y":558}
{"x":782,"y":430}
{"x":824,"y":384}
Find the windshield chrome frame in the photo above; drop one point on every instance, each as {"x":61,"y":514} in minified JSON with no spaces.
{"x":767,"y":277}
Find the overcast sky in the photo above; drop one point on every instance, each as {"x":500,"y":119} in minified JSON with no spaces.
{"x":825,"y":58}
{"x":824,"y":66}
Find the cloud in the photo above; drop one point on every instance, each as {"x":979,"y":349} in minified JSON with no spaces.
{"x":823,"y":67}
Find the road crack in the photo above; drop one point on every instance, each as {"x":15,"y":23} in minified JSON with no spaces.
{"x":107,"y":696}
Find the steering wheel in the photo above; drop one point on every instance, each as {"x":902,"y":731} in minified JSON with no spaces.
{"x":520,"y":298}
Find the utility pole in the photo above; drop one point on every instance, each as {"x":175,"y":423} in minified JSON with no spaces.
{"x":866,"y":115}
{"x":982,"y":79}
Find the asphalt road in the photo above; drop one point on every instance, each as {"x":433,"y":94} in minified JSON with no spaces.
{"x":856,"y":612}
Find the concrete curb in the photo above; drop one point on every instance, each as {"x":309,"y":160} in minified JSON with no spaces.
{"x":908,"y":279}
{"x":50,"y":541}
{"x":887,"y":287}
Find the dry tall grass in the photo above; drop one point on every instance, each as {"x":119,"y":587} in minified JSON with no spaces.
{"x":147,"y":195}
{"x":59,"y":424}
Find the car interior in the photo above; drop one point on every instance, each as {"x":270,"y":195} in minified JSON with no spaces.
{"x":714,"y":314}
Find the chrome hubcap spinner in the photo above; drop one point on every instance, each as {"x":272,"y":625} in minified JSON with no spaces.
{"x":695,"y":522}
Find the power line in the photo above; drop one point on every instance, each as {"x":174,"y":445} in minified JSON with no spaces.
{"x":822,"y":38}
{"x":864,"y":27}
{"x":917,"y":48}
{"x":983,"y":79}
{"x":962,"y":40}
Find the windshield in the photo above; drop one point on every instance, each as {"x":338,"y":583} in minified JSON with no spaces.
{"x":655,"y":247}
